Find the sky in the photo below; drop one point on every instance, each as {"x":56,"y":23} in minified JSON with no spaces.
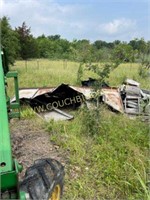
{"x":93,"y":20}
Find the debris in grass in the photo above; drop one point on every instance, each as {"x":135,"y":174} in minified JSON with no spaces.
{"x":49,"y":103}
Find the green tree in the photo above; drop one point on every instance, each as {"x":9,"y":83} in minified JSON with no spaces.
{"x":28,"y":44}
{"x":9,"y":40}
{"x":84,"y":49}
{"x":123,"y":53}
{"x":148,"y":47}
{"x":99,"y":44}
{"x":44,"y":46}
{"x":54,"y":37}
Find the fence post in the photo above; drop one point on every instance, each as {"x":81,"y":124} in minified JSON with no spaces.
{"x":38,"y":64}
{"x":65,"y":63}
{"x":26,"y":65}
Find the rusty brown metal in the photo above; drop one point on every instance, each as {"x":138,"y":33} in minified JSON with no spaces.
{"x":26,"y":93}
{"x":86,"y":91}
{"x":111,"y":97}
{"x":43,"y":91}
{"x":30,"y":93}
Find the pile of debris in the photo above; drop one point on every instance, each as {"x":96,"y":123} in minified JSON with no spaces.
{"x":52,"y":103}
{"x":135,"y":100}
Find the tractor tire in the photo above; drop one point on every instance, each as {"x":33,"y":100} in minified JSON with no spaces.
{"x":44,"y":180}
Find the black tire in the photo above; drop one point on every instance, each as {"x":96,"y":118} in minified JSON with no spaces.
{"x":42,"y":179}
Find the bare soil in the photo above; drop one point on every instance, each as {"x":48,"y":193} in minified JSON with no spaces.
{"x":31,"y":142}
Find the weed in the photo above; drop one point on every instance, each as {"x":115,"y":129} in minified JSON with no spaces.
{"x":98,"y":155}
{"x":143,"y":72}
{"x":79,"y":74}
{"x":27,"y":113}
{"x":107,"y":153}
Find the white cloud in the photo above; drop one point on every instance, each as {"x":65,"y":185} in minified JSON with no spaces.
{"x":118,"y":26}
{"x":43,"y":16}
{"x":70,"y":20}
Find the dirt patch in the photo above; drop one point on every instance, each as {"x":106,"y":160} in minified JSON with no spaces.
{"x":31,"y":142}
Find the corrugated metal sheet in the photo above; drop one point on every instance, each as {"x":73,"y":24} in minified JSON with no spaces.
{"x":30,"y":93}
{"x":87,"y":92}
{"x":111,"y":95}
{"x":129,"y":103}
{"x":112,"y":98}
{"x":26,"y":93}
{"x":43,"y":91}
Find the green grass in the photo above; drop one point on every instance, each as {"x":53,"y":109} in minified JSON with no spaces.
{"x":111,"y":164}
{"x":130,"y":71}
{"x":47,"y":73}
{"x":107,"y":155}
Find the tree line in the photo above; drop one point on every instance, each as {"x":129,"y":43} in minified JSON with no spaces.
{"x":21,"y":44}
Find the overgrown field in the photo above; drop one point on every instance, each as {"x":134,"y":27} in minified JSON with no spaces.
{"x":41,"y":73}
{"x":107,"y":152}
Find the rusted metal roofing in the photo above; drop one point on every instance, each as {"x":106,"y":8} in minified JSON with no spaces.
{"x":111,"y":95}
{"x":61,"y":96}
{"x":30,"y":93}
{"x":125,"y":99}
{"x":26,"y":93}
{"x":113,"y":99}
{"x":43,"y":91}
{"x":87,"y":92}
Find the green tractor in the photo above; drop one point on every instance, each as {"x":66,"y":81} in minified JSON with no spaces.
{"x":45,"y":178}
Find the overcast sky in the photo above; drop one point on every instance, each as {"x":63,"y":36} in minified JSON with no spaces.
{"x":107,"y":20}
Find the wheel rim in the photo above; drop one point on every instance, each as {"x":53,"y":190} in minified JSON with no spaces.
{"x":56,"y":193}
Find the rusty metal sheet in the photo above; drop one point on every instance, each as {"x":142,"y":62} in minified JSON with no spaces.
{"x":111,"y":95}
{"x":42,"y":91}
{"x":26,"y":93}
{"x":113,"y":99}
{"x":87,"y":92}
{"x":31,"y":93}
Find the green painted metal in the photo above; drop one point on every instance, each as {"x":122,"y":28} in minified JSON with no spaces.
{"x":9,"y":168}
{"x":9,"y":182}
{"x":9,"y":179}
{"x":15,"y":107}
{"x":6,"y":163}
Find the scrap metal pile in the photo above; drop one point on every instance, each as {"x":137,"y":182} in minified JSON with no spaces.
{"x":54,"y":103}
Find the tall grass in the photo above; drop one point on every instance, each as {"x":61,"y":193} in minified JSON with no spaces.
{"x":107,"y":155}
{"x":130,"y":71}
{"x":43,"y":72}
{"x":111,"y":164}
